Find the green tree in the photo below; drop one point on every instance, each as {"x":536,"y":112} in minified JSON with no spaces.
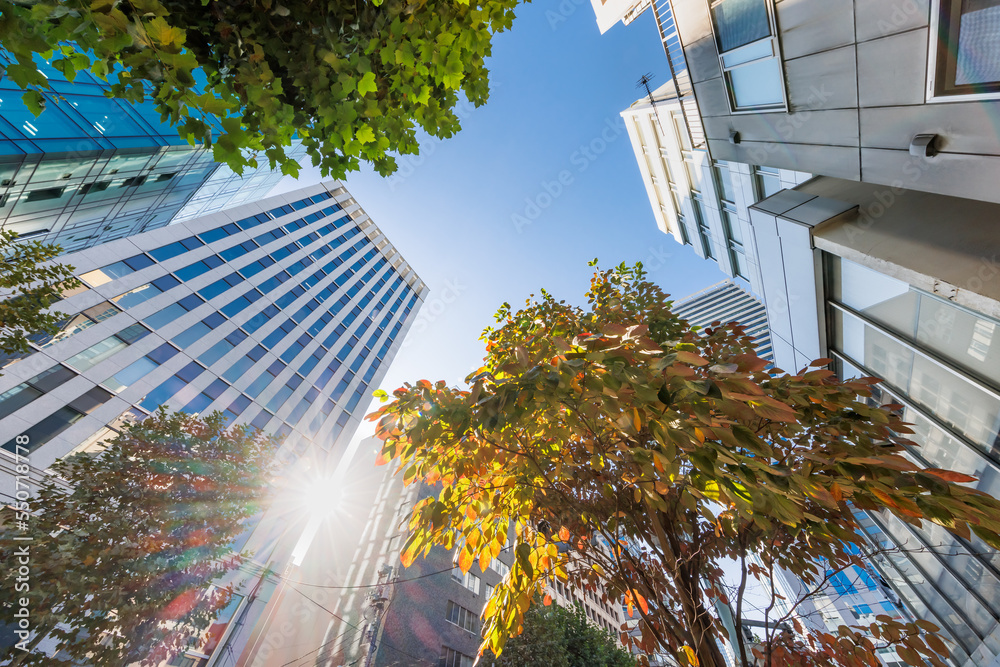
{"x":555,"y":636}
{"x":627,"y":447}
{"x":353,"y":80}
{"x":28,"y":286}
{"x":124,"y":545}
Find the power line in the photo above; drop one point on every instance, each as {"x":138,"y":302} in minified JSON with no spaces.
{"x":320,"y":648}
{"x":384,"y":643}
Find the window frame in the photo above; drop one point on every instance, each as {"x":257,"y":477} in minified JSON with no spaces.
{"x":937,"y":46}
{"x":775,"y":44}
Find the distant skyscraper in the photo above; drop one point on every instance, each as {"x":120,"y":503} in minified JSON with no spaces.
{"x":727,"y":302}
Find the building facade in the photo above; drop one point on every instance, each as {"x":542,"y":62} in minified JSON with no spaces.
{"x":92,"y":169}
{"x":701,"y":202}
{"x":893,"y":107}
{"x":728,"y":302}
{"x":283,"y":314}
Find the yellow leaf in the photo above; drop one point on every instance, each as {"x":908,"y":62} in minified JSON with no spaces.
{"x":691,"y":657}
{"x":636,"y":419}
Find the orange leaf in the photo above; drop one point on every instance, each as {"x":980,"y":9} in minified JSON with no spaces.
{"x":547,"y":600}
{"x":564,"y":534}
{"x":949,"y":475}
{"x":464,"y":560}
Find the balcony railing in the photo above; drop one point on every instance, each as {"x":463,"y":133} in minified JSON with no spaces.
{"x":683,"y":87}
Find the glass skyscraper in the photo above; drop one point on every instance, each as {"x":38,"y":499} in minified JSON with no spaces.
{"x":92,"y":169}
{"x":283,"y":313}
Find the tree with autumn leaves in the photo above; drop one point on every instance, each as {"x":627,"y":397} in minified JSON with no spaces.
{"x":618,"y":437}
{"x":123,"y":546}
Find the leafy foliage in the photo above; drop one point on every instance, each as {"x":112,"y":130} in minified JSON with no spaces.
{"x":128,"y":542}
{"x":28,"y":286}
{"x":617,"y":437}
{"x":557,"y":636}
{"x":352,"y":79}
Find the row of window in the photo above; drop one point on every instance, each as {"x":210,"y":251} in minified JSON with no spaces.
{"x":124,"y":267}
{"x":462,"y":617}
{"x":452,"y":658}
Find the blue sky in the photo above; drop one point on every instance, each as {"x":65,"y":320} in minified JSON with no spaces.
{"x":558,"y":87}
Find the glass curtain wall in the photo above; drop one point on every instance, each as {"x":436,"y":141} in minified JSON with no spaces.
{"x":941,"y":363}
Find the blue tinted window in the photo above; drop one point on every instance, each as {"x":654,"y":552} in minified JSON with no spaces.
{"x":257,"y":353}
{"x":162,"y":353}
{"x":341,"y":388}
{"x":261,"y":318}
{"x":190,"y":372}
{"x":258,"y":385}
{"x":138,"y":262}
{"x":165,"y":316}
{"x":299,"y":410}
{"x":190,"y":335}
{"x":291,"y":352}
{"x":261,"y":420}
{"x":197,"y":404}
{"x":214,"y":320}
{"x":229,"y":254}
{"x":190,"y":302}
{"x":240,"y":404}
{"x":161,"y":394}
{"x":279,"y":398}
{"x":214,"y":290}
{"x":239,"y":367}
{"x":213,"y":235}
{"x":253,"y":221}
{"x":215,"y":352}
{"x":165,"y":283}
{"x":175,"y":249}
{"x":234,"y":307}
{"x":216,"y":389}
{"x":136,"y":296}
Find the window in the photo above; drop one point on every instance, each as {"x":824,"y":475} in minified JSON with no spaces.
{"x":468,"y":579}
{"x":499,"y":567}
{"x":749,"y":55}
{"x":703,"y":231}
{"x":767,"y":180}
{"x":965,"y":60}
{"x":461,"y":617}
{"x":452,"y":658}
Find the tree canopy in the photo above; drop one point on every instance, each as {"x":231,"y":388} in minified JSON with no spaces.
{"x":353,"y":80}
{"x":124,"y":545}
{"x":28,"y":286}
{"x":617,"y":437}
{"x":556,"y":636}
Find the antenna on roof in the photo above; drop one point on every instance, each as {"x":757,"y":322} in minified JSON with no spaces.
{"x":644,"y":83}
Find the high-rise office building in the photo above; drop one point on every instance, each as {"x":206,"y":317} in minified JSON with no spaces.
{"x":283,"y":314}
{"x":886,"y":261}
{"x":728,"y":302}
{"x":91,"y":169}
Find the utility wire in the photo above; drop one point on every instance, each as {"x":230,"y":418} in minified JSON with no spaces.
{"x":384,"y":643}
{"x":320,"y":648}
